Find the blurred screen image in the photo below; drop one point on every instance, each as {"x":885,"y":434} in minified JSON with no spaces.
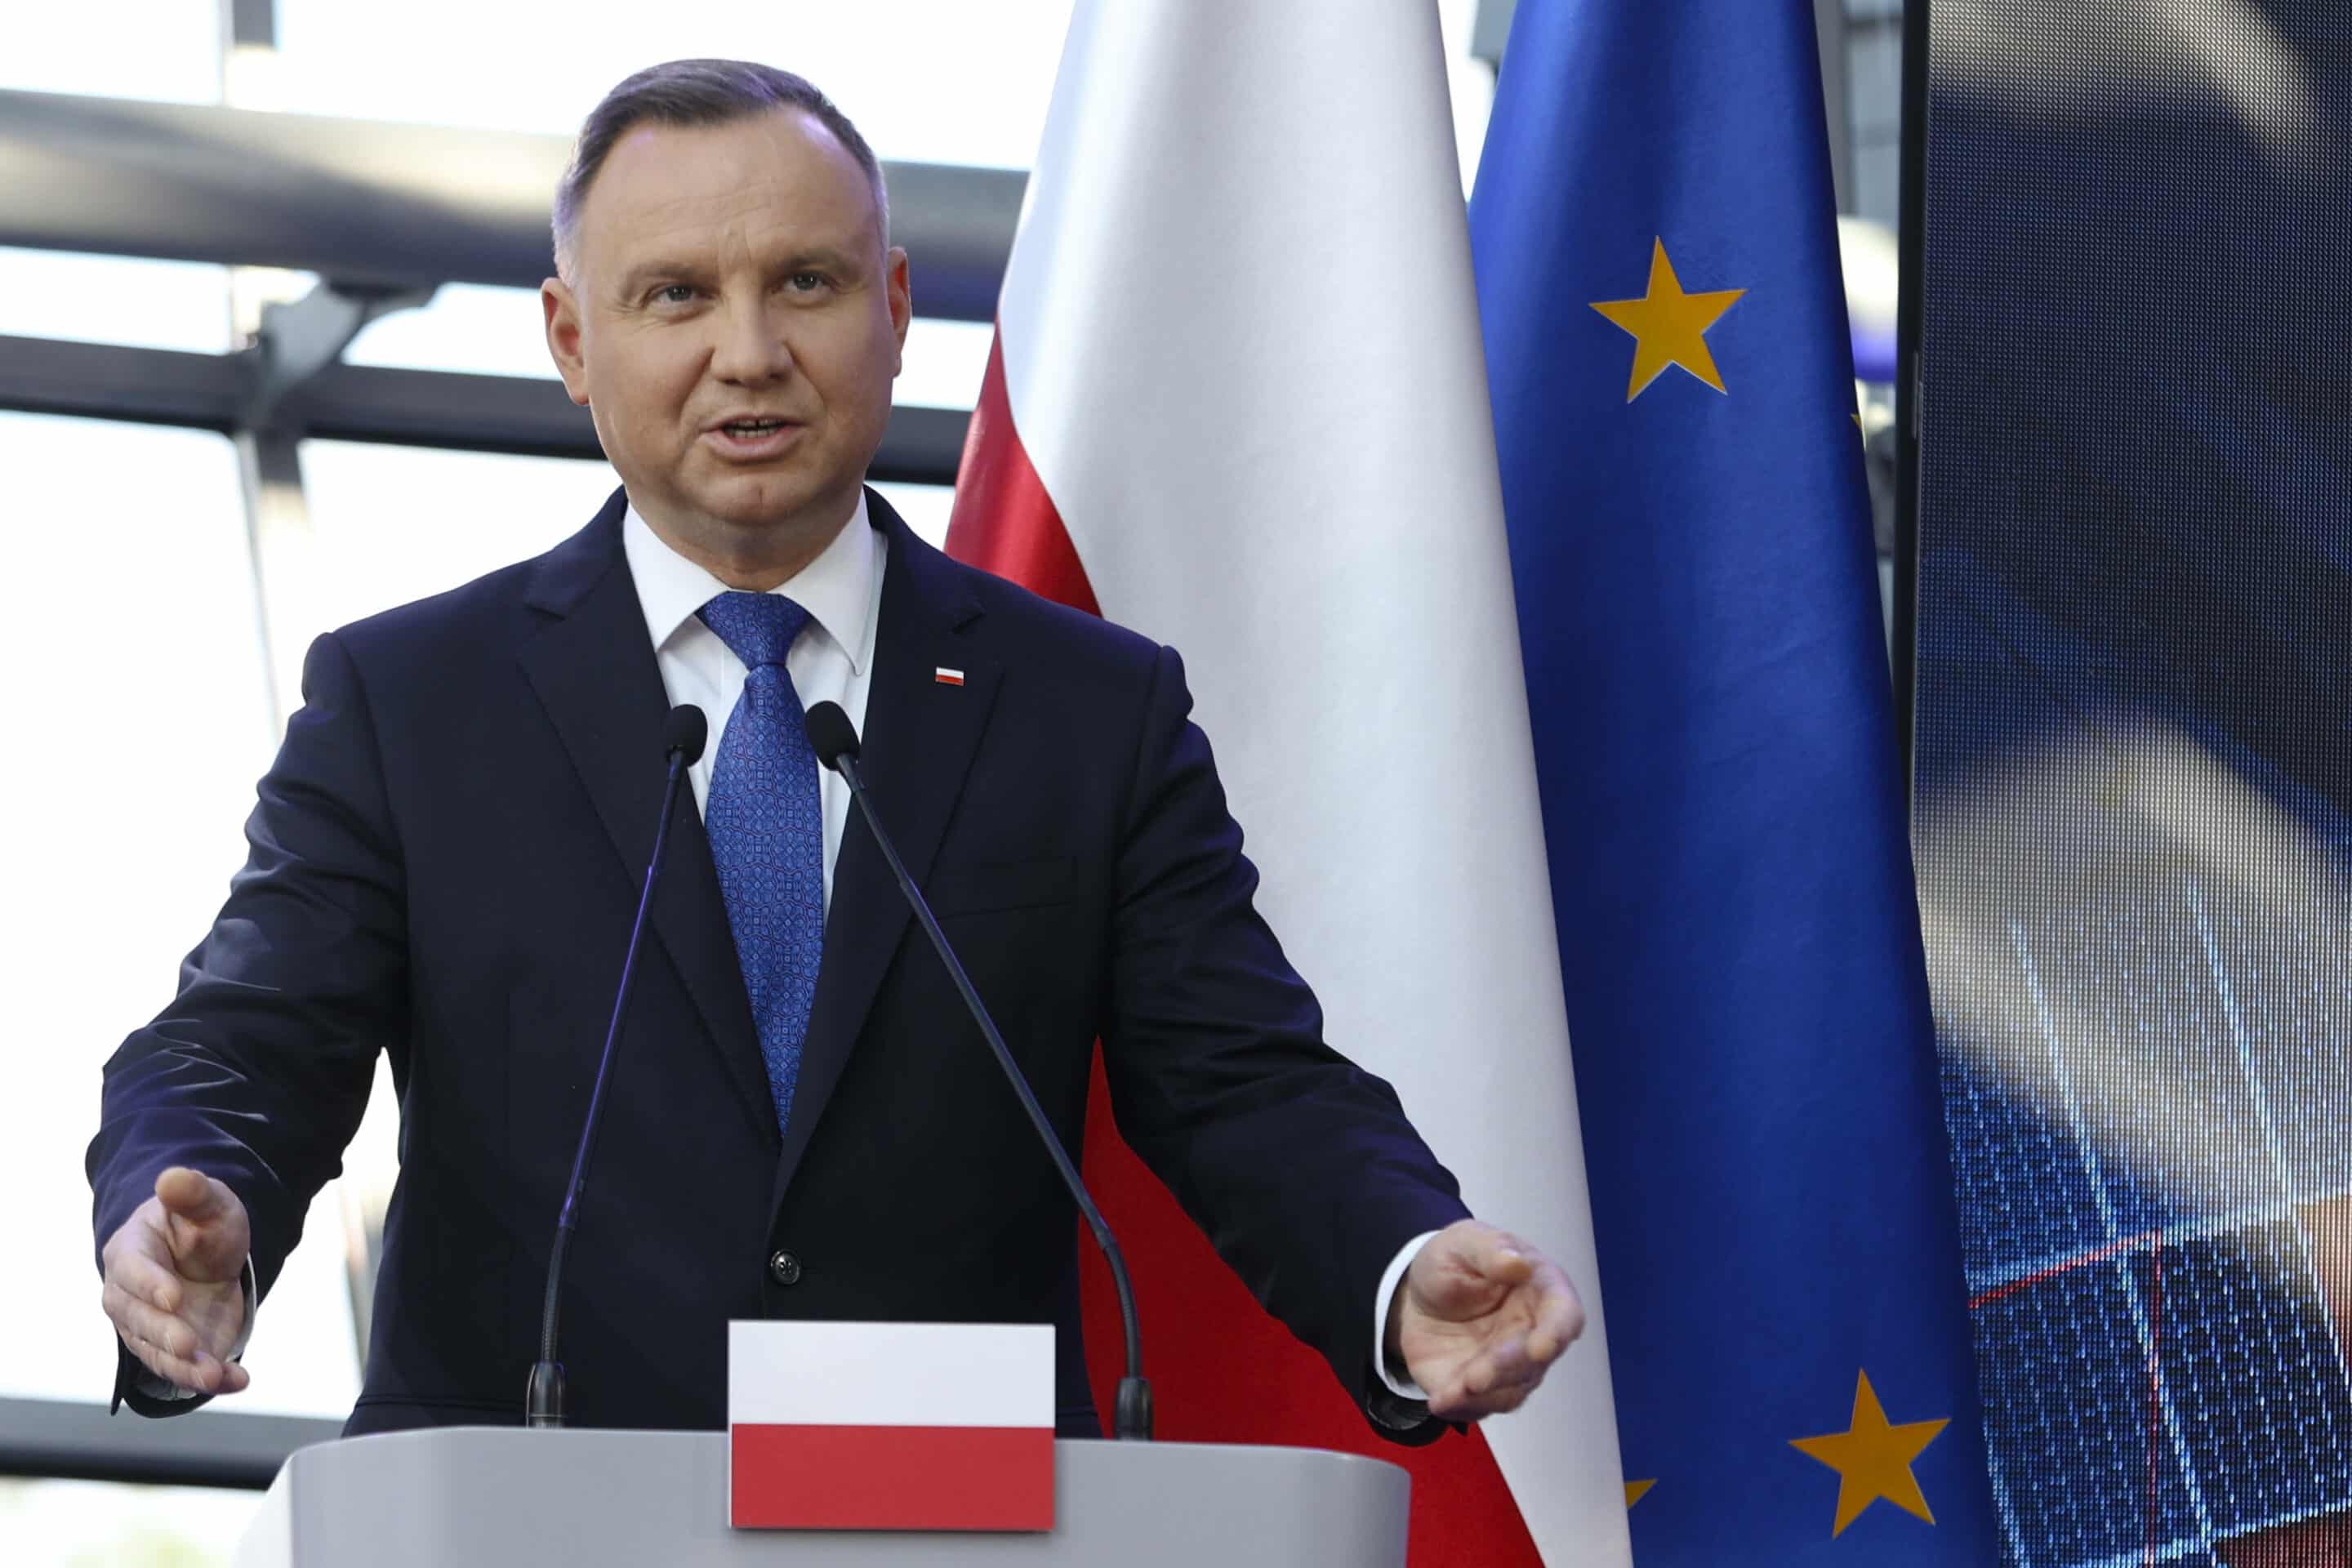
{"x":2133,"y":762}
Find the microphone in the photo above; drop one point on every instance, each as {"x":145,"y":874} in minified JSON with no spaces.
{"x":835,"y":739}
{"x":683,"y":737}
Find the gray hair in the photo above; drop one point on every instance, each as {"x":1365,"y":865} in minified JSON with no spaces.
{"x":697,"y":93}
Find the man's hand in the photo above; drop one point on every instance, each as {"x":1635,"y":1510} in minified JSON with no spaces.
{"x":1478,"y":1319}
{"x":173,"y":1283}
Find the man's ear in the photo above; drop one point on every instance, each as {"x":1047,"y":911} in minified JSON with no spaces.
{"x":560,"y":309}
{"x":902,"y":297}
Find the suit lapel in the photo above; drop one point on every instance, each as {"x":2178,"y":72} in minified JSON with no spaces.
{"x":916,"y":748}
{"x":596,"y":674}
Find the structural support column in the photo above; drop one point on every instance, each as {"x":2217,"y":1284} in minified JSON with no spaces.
{"x":280,"y":546}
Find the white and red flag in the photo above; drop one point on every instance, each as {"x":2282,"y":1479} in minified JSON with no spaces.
{"x":1238,"y":402}
{"x":889,"y":1425}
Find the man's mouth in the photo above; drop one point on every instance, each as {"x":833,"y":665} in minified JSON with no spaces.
{"x":754,"y":440}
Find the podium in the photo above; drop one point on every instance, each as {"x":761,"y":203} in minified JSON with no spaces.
{"x":484,"y":1497}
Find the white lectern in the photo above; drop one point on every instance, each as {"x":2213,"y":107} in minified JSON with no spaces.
{"x":480,"y":1497}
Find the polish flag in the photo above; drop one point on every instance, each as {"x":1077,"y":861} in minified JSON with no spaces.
{"x":889,"y":1425}
{"x":1238,"y":402}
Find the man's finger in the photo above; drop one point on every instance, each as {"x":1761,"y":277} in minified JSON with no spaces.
{"x":1463,"y":1406}
{"x":1503,"y":1401}
{"x":138,"y":1321}
{"x":203,"y":1229}
{"x":201,"y":1218}
{"x":1466,"y":1272}
{"x":1499,"y":1255}
{"x":203,"y":1373}
{"x":189,"y":1194}
{"x":185,"y":1371}
{"x":1505,"y":1364}
{"x":145,"y":1279}
{"x":1559,"y":1317}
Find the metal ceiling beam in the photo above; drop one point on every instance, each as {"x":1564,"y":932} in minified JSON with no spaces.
{"x":100,"y":381}
{"x":385,"y":204}
{"x":366,"y":403}
{"x":300,"y":339}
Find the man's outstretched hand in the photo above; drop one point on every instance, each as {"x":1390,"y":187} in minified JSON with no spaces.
{"x":173,"y":1281}
{"x":1478,"y":1319}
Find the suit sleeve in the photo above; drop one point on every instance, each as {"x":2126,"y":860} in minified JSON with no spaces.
{"x":1299,"y":1165}
{"x":258,"y":1072}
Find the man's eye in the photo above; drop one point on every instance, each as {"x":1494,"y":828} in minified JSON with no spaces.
{"x":682,"y":292}
{"x":808,"y":282}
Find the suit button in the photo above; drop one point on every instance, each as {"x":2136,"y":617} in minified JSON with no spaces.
{"x":784,"y":1268}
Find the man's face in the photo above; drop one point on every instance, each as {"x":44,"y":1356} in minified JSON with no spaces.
{"x":722,"y":273}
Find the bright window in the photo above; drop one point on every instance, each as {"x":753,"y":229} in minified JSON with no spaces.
{"x":167,"y":49}
{"x":943,"y":81}
{"x":395,"y":524}
{"x":114,"y":300}
{"x":128,"y":613}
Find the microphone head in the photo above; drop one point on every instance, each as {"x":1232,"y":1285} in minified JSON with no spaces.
{"x":830,"y":735}
{"x":686,"y":733}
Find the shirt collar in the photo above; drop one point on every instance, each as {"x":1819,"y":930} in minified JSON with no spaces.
{"x":837,"y":588}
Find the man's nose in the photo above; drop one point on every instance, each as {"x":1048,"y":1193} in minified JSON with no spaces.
{"x":751,"y":347}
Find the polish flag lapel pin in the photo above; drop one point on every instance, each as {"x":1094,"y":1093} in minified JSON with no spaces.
{"x":947,"y":677}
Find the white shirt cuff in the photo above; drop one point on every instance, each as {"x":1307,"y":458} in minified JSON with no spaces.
{"x":1402,"y":1387}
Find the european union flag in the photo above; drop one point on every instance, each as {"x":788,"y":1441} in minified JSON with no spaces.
{"x":1672,"y":380}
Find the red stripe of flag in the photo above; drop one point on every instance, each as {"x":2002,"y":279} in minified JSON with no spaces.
{"x":891,"y":1477}
{"x":1002,"y":521}
{"x":1221,"y":1370}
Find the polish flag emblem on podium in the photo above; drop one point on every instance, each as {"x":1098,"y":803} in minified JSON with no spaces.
{"x":890,"y":1426}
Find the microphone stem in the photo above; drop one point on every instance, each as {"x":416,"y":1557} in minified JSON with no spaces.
{"x":545,"y":1407}
{"x":1133,"y":1416}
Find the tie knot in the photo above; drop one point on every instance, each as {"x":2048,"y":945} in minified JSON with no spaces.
{"x":759,"y":628}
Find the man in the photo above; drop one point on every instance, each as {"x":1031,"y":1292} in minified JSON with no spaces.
{"x":803,"y":1122}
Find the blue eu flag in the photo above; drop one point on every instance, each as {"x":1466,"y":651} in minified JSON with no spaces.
{"x":1690,"y":537}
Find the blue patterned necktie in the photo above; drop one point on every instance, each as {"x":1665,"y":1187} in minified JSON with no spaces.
{"x":767,"y":832}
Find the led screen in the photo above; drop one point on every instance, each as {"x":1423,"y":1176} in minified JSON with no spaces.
{"x":2133,"y":759}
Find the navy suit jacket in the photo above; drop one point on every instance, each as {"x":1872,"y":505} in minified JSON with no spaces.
{"x":444,"y":863}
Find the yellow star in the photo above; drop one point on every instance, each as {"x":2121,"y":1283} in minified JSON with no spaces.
{"x":1669,"y":327}
{"x":1635,"y":1489}
{"x":1872,"y":1459}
